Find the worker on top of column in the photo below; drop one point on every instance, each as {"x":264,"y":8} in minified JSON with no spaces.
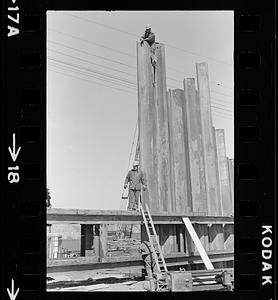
{"x":149,"y":37}
{"x":136,"y":179}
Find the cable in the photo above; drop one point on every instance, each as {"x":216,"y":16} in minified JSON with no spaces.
{"x":220,"y":108}
{"x":104,"y":58}
{"x":222,"y":94}
{"x":117,"y":80}
{"x":89,"y":75}
{"x":90,"y":42}
{"x":87,"y":61}
{"x":90,"y":81}
{"x":96,"y":72}
{"x":112,"y":49}
{"x":135,"y":35}
{"x":133,"y":140}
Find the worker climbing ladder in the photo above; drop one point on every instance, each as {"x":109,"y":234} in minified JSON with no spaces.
{"x":160,"y":274}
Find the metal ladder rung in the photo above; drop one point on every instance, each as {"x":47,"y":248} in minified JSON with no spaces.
{"x":153,"y":239}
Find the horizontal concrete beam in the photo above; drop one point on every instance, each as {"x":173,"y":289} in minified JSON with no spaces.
{"x":90,"y":263}
{"x":88,"y":216}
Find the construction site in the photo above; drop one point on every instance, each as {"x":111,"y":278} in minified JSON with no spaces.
{"x":186,"y":213}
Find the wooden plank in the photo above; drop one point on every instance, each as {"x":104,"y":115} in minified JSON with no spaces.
{"x":198,"y":244}
{"x":162,"y":222}
{"x":120,"y":214}
{"x":90,"y":263}
{"x":59,"y":216}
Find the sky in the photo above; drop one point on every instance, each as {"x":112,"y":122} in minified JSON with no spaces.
{"x":92,"y":97}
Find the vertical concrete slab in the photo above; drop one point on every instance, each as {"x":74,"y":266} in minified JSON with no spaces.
{"x":178,"y":151}
{"x":230,"y":163}
{"x":195,"y":147}
{"x":181,"y":238}
{"x":223,"y":173}
{"x":202,"y":232}
{"x":229,"y":237}
{"x":218,"y":187}
{"x":189,"y":244}
{"x":97,"y":240}
{"x":147,"y":121}
{"x":165,"y":239}
{"x":174,"y":234}
{"x":87,"y":240}
{"x":171,"y":143}
{"x":103,"y":241}
{"x":163,"y":156}
{"x":153,"y":128}
{"x":216,"y":237}
{"x":212,"y":182}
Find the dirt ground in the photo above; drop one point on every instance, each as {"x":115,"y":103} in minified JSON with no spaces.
{"x":122,"y":280}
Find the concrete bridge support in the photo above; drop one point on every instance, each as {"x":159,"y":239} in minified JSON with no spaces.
{"x":212,"y":181}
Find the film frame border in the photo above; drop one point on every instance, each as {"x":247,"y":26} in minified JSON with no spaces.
{"x":24,"y":109}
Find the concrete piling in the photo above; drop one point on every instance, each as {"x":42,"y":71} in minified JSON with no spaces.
{"x":224,"y":173}
{"x":163,"y":156}
{"x":230,"y":163}
{"x":147,"y":114}
{"x":195,"y":147}
{"x":179,"y":150}
{"x":212,"y":182}
{"x":181,"y":154}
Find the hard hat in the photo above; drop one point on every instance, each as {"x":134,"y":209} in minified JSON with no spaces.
{"x":135,"y":163}
{"x":148,"y":26}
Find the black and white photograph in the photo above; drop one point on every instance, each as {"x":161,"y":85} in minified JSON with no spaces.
{"x":140,"y":151}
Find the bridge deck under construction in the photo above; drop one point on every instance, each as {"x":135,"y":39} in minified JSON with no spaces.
{"x":216,"y":234}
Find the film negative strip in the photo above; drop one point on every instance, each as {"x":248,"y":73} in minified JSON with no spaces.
{"x":26,"y":209}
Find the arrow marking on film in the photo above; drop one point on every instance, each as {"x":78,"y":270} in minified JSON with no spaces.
{"x":13,"y":152}
{"x":11,"y":293}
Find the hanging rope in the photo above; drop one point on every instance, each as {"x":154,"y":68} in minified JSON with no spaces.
{"x":130,"y":154}
{"x":132,"y":146}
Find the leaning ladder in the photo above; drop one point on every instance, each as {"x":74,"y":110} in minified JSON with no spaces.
{"x":153,"y":239}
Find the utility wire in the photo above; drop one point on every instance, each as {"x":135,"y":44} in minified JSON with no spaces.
{"x":120,"y":71}
{"x":90,"y":42}
{"x":101,"y":57}
{"x":135,"y":35}
{"x":106,"y":77}
{"x":81,"y":72}
{"x":90,"y":81}
{"x":98,"y":56}
{"x":113,"y":79}
{"x":95,"y":71}
{"x":216,"y":113}
{"x":127,"y":54}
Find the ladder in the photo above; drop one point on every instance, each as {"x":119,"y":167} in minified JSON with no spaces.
{"x":154,"y":241}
